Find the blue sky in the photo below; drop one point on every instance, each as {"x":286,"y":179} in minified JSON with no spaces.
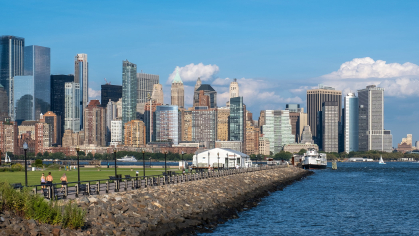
{"x":276,"y":49}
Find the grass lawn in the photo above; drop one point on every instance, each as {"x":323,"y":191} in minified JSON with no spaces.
{"x":34,"y":177}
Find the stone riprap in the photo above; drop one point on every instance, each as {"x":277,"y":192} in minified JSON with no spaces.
{"x":182,"y":208}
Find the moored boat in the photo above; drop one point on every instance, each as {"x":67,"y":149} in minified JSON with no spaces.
{"x":127,"y":159}
{"x":314,"y":160}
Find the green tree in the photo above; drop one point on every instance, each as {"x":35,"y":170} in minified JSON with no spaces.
{"x":39,"y":155}
{"x":82,"y":154}
{"x":38,"y":163}
{"x":302,"y":151}
{"x":89,"y":156}
{"x":285,"y":156}
{"x":46,"y":154}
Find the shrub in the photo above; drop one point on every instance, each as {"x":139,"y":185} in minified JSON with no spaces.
{"x":31,"y":206}
{"x":38,"y":163}
{"x":17,"y":167}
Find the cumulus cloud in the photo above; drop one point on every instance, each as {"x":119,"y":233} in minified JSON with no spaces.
{"x":365,"y":68}
{"x":94,"y":93}
{"x":191,"y":72}
{"x":398,"y":80}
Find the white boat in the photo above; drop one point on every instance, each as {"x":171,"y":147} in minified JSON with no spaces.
{"x":314,"y":160}
{"x":7,"y":159}
{"x":127,"y":159}
{"x":381,"y":160}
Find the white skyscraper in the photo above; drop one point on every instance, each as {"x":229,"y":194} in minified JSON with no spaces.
{"x":72,"y":107}
{"x":350,"y":123}
{"x":81,"y":76}
{"x":234,"y":89}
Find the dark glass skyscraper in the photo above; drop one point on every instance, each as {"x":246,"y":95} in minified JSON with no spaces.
{"x":58,"y":96}
{"x":237,"y":119}
{"x":129,"y":92}
{"x":113,"y":92}
{"x":11,"y":65}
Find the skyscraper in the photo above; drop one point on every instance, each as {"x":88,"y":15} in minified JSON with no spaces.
{"x":72,"y":106}
{"x":167,"y":124}
{"x":177,"y":91}
{"x":129,"y":91}
{"x":157,"y":94}
{"x":204,"y":126}
{"x":134,"y":133}
{"x":54,"y":126}
{"x":371,"y":119}
{"x":4,"y":104}
{"x":94,"y":124}
{"x":37,"y":63}
{"x":11,"y":65}
{"x":81,"y":76}
{"x":330,"y":119}
{"x":298,"y":120}
{"x":350,"y":123}
{"x":196,"y":92}
{"x":58,"y":97}
{"x":315,"y":100}
{"x":209,"y":91}
{"x":110,"y":92}
{"x":237,"y":120}
{"x":145,"y":86}
{"x":222,"y":123}
{"x":277,"y":129}
{"x":234,"y":89}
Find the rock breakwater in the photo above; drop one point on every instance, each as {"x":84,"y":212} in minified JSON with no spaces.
{"x":187,"y":207}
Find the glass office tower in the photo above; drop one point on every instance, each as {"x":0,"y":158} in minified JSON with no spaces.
{"x":350,"y":123}
{"x":24,"y":98}
{"x":81,"y":76}
{"x":58,"y":96}
{"x":236,"y":120}
{"x":129,"y":92}
{"x":37,"y":64}
{"x":72,"y":106}
{"x":11,"y":65}
{"x":167,"y":123}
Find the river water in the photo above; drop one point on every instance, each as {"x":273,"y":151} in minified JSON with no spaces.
{"x":355,"y":199}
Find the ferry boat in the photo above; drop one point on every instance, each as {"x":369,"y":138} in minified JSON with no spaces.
{"x":127,"y":159}
{"x":314,"y":160}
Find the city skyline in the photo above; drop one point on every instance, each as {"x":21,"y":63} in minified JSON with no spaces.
{"x":277,"y":74}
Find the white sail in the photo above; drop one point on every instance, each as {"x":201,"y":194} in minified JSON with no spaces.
{"x":381,"y":160}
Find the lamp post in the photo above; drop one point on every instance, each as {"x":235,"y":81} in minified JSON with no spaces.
{"x":25,"y":148}
{"x":234,"y":160}
{"x":227,"y":160}
{"x":165,"y":162}
{"x":218,"y":165}
{"x":196,"y":155}
{"x":114,"y":156}
{"x":78,"y":164}
{"x":182,"y":161}
{"x":143,"y":164}
{"x":208,"y":158}
{"x":150,"y":161}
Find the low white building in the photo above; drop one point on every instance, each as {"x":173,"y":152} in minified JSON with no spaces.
{"x":216,"y":156}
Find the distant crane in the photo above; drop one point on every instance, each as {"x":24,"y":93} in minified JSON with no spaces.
{"x":107,"y":83}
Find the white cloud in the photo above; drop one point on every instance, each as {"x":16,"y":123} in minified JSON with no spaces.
{"x":94,"y":93}
{"x":191,"y":72}
{"x":398,"y":80}
{"x":365,"y":68}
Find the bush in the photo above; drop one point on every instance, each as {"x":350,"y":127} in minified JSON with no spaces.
{"x":17,"y":167}
{"x":30,"y":206}
{"x":38,"y":163}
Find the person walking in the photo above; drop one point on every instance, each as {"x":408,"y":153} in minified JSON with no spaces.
{"x":63,"y":182}
{"x":43,"y":180}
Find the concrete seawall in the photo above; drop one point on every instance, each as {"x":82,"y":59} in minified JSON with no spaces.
{"x":188,"y":207}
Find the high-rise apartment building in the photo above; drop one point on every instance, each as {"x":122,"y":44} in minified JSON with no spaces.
{"x":277,"y":129}
{"x":42,"y":137}
{"x":167,"y":124}
{"x":8,"y":136}
{"x":315,"y":100}
{"x":94,"y":124}
{"x":134,"y":133}
{"x":208,"y":91}
{"x":157,"y":94}
{"x":177,"y":91}
{"x":186,"y":125}
{"x":196,"y":92}
{"x":222,"y":123}
{"x":204,"y":126}
{"x":11,"y":65}
{"x":58,"y":97}
{"x":116,"y":132}
{"x":371,"y":119}
{"x":110,"y":92}
{"x":32,"y":90}
{"x":72,"y":106}
{"x":81,"y":76}
{"x":4,"y":104}
{"x":298,"y":120}
{"x":330,"y":133}
{"x":145,"y":83}
{"x":350,"y":123}
{"x":111,"y":115}
{"x":129,"y":91}
{"x":54,"y":130}
{"x":252,"y":136}
{"x":264,"y":145}
{"x":150,"y":120}
{"x":237,"y":120}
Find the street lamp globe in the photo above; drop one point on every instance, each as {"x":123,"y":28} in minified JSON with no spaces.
{"x":25,"y":146}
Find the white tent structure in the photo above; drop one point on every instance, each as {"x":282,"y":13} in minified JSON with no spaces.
{"x":219,"y":156}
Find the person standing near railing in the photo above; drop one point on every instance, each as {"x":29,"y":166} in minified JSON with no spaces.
{"x":49,"y":179}
{"x":43,"y":180}
{"x":63,"y":181}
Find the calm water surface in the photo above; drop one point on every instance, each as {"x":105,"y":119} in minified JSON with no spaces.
{"x":356,"y":199}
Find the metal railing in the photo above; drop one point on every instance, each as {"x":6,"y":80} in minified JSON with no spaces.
{"x":102,"y":186}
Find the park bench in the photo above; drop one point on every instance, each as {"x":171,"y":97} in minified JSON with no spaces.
{"x":17,"y":185}
{"x":128,"y":177}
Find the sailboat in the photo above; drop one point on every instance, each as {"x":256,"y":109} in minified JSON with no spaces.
{"x":381,"y":160}
{"x":7,"y":159}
